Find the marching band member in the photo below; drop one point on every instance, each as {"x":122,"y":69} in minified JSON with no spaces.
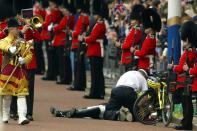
{"x":52,"y":17}
{"x":15,"y":56}
{"x":61,"y":32}
{"x":152,"y":24}
{"x":68,"y":71}
{"x":39,"y":10}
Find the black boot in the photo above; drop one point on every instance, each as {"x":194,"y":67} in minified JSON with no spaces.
{"x":58,"y":113}
{"x":79,"y":113}
{"x":67,"y":114}
{"x":92,"y":112}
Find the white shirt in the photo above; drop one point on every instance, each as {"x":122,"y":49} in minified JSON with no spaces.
{"x":133,"y":79}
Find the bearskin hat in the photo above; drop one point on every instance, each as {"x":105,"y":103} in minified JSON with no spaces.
{"x":57,"y":2}
{"x":151,"y":19}
{"x":136,"y":12}
{"x":44,"y":3}
{"x":189,"y":32}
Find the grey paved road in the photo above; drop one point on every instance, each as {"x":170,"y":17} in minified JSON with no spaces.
{"x":48,"y":93}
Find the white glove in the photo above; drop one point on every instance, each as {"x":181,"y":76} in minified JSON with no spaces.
{"x":80,"y":38}
{"x":21,"y":60}
{"x":50,"y":27}
{"x":12,"y":49}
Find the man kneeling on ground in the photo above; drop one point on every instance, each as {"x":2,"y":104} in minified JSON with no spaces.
{"x":120,"y":104}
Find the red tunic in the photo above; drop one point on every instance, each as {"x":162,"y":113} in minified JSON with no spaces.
{"x":3,"y":25}
{"x":80,"y":27}
{"x":95,"y":48}
{"x":60,"y":32}
{"x":51,"y":17}
{"x":148,"y":48}
{"x":71,"y":22}
{"x":29,"y":35}
{"x":193,"y":71}
{"x":129,"y":40}
{"x":179,"y":68}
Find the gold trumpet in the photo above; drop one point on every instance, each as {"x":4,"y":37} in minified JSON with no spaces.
{"x":35,"y":22}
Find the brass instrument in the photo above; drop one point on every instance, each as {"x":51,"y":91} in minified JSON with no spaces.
{"x":36,"y":21}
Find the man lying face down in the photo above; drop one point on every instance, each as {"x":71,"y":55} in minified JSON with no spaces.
{"x":120,"y":104}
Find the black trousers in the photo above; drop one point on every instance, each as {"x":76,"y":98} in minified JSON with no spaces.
{"x":39,"y":57}
{"x":64,"y":65}
{"x":13,"y":106}
{"x":120,"y":96}
{"x":186,"y":101}
{"x":97,"y":78}
{"x":52,"y":62}
{"x":79,"y":71}
{"x":30,"y":97}
{"x":68,"y":70}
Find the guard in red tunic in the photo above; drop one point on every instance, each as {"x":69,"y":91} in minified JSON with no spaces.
{"x":39,"y":10}
{"x":132,"y":39}
{"x":79,"y":49}
{"x":67,"y":51}
{"x":152,"y":24}
{"x":31,"y":34}
{"x":53,"y":17}
{"x":188,"y":66}
{"x":95,"y":53}
{"x":61,"y":32}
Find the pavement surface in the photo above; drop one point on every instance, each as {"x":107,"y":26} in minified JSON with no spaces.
{"x":48,"y":94}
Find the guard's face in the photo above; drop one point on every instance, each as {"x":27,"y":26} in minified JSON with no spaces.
{"x":52,"y":5}
{"x":186,"y":44}
{"x":96,"y":17}
{"x":133,"y":22}
{"x":64,"y":11}
{"x":148,"y":30}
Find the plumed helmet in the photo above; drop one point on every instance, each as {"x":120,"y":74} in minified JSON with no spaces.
{"x":151,"y":19}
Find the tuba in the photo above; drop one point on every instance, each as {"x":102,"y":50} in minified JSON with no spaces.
{"x":36,"y":21}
